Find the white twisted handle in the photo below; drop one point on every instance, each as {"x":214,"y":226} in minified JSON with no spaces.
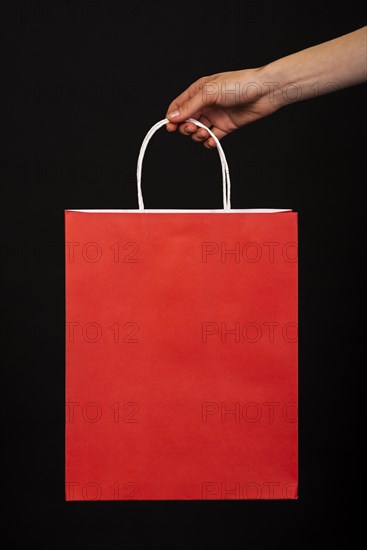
{"x":225,"y":171}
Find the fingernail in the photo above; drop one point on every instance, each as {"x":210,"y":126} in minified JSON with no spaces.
{"x":174,"y":114}
{"x":187,"y":130}
{"x":201,"y":134}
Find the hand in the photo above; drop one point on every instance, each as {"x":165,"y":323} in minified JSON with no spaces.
{"x":223,"y":102}
{"x":227,"y":101}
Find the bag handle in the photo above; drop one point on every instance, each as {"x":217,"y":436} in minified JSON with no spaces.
{"x":225,"y":171}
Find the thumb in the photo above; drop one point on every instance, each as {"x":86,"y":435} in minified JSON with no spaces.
{"x":189,"y":108}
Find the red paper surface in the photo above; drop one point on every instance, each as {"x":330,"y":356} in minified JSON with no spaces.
{"x":181,"y":343}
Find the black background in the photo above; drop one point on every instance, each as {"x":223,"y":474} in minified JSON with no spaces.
{"x":81,"y":83}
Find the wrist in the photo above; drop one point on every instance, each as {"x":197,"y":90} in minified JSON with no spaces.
{"x":273,"y":82}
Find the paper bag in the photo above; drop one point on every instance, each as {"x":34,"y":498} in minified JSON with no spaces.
{"x":181,"y":342}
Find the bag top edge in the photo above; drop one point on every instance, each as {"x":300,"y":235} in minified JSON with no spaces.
{"x":184,"y":211}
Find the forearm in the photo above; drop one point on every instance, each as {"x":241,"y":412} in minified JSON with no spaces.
{"x":321,"y":69}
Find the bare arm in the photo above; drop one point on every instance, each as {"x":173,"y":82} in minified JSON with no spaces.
{"x":227,"y":101}
{"x":336,"y":64}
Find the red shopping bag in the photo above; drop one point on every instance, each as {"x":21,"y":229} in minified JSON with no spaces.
{"x":181,"y":341}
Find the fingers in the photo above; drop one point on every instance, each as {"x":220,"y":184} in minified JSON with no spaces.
{"x":190,"y":128}
{"x":190,"y":104}
{"x":187,"y":128}
{"x":190,"y":108}
{"x":200,"y":135}
{"x":171,"y":127}
{"x":210,"y":143}
{"x":187,"y":105}
{"x":205,"y":121}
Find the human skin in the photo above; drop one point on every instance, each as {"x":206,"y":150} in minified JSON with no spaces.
{"x":227,"y":101}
